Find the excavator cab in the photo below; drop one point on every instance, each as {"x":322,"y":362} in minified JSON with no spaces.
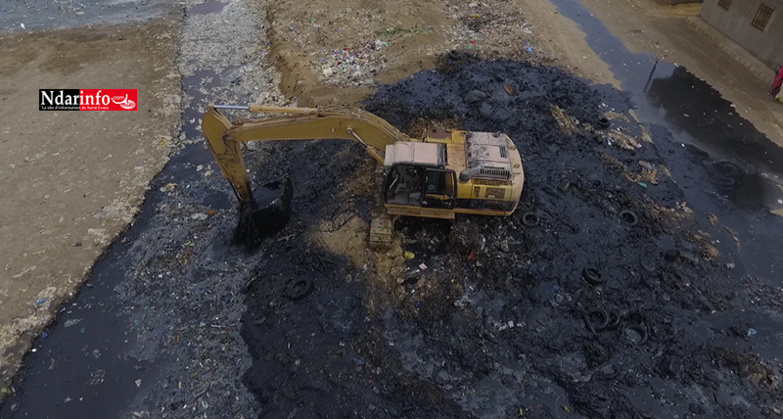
{"x":421,"y":186}
{"x":440,"y":189}
{"x":419,"y":183}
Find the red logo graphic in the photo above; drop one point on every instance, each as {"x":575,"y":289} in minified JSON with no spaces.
{"x":107,"y":100}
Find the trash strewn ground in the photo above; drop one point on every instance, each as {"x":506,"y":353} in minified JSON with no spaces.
{"x":601,"y":296}
{"x":333,"y":51}
{"x":604,"y":294}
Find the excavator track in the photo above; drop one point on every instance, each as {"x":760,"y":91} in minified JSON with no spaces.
{"x":381,"y":227}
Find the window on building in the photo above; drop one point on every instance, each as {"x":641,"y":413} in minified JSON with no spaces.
{"x":724,"y":4}
{"x":762,"y":17}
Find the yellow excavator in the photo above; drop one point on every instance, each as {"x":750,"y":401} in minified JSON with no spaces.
{"x":445,"y":173}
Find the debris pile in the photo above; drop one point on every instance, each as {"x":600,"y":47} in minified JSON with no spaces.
{"x":347,"y":47}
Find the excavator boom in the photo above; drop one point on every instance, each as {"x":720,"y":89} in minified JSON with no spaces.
{"x":223,"y":136}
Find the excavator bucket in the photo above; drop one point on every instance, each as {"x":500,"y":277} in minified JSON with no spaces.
{"x":266,"y":214}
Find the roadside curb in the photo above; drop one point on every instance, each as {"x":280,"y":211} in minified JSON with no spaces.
{"x":753,"y":64}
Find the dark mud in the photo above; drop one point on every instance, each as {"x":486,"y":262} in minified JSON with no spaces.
{"x":724,"y":164}
{"x":515,"y":329}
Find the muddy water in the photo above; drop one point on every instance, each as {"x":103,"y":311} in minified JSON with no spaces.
{"x":81,"y":366}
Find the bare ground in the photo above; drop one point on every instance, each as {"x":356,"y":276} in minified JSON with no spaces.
{"x":73,"y":180}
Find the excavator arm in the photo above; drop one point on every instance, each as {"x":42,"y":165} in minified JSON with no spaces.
{"x":223,"y":136}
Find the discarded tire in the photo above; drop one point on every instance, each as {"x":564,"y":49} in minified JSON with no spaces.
{"x":613,"y":321}
{"x":475,"y":96}
{"x":726,"y":181}
{"x":641,"y":330}
{"x":592,"y":276}
{"x":298,"y":288}
{"x":635,"y":318}
{"x":727,"y":168}
{"x":564,"y":185}
{"x":671,"y":255}
{"x":603,"y":122}
{"x":602,"y":318}
{"x":588,"y":323}
{"x":530,"y":219}
{"x":629,"y":217}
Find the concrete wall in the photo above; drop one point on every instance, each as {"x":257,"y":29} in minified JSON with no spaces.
{"x":735,"y":23}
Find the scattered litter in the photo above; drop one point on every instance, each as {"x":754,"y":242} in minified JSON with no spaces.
{"x":138,"y":383}
{"x":199,"y":216}
{"x":24,"y":271}
{"x":751,"y":332}
{"x":352,"y":66}
{"x":408,"y":255}
{"x":528,"y":49}
{"x":44,"y":298}
{"x":72,"y":322}
{"x":643,"y":185}
{"x":423,"y":267}
{"x":624,"y":140}
{"x":22,"y":25}
{"x":168,"y":187}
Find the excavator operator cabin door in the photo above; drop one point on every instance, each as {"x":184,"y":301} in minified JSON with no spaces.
{"x":439,"y":189}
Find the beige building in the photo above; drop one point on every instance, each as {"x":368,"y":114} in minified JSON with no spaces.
{"x":756,"y":25}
